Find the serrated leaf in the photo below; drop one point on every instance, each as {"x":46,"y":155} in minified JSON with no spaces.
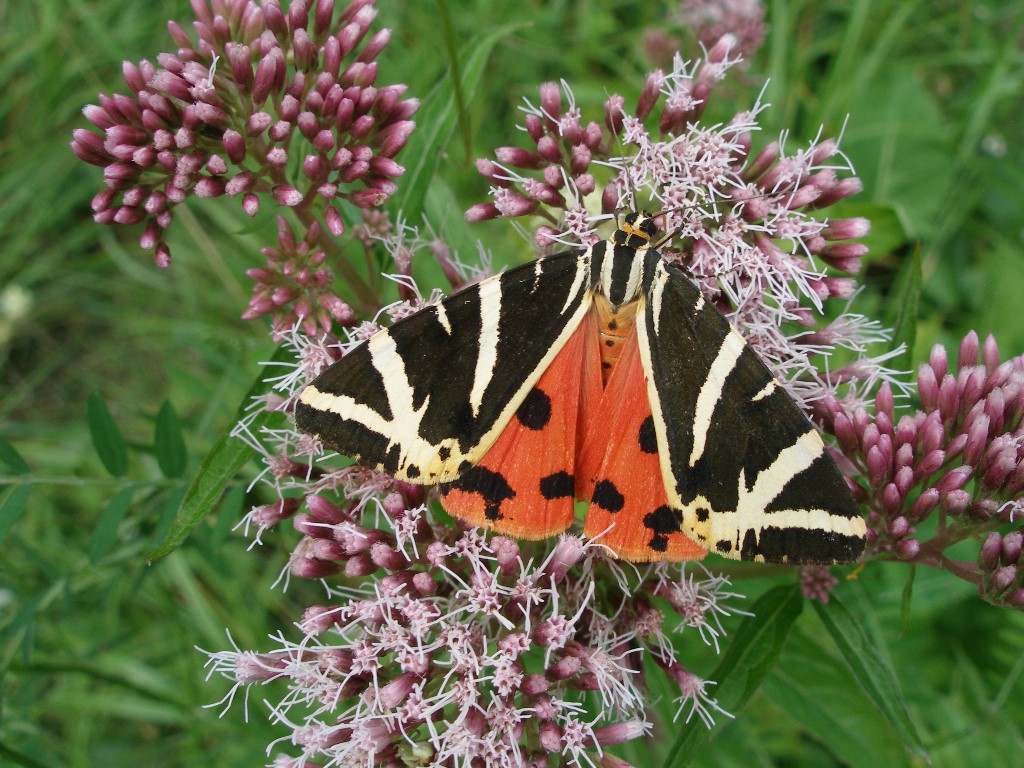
{"x":105,"y":534}
{"x":106,"y":436}
{"x":228,"y":455}
{"x":168,"y":442}
{"x":437,"y":120}
{"x":871,"y":670}
{"x":12,"y":507}
{"x":11,"y":457}
{"x":749,"y":657}
{"x":905,"y":298}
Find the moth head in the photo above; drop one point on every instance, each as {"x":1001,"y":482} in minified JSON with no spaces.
{"x":636,"y":230}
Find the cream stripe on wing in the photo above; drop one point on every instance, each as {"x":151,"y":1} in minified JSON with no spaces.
{"x":711,"y":391}
{"x":487,"y":356}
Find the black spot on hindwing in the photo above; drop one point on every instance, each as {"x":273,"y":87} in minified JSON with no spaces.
{"x":607,"y":496}
{"x":662,"y":522}
{"x":558,"y":485}
{"x":535,"y":412}
{"x":491,"y":486}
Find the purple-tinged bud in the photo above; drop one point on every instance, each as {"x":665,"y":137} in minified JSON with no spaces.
{"x":162,"y":256}
{"x":956,"y":502}
{"x":949,"y":402}
{"x":991,"y":549}
{"x":995,"y":407}
{"x":258,"y":122}
{"x":990,"y":354}
{"x":970,"y":385}
{"x":359,"y":566}
{"x":928,"y":387}
{"x":362,"y":126}
{"x":955,"y":479}
{"x":481,"y":212}
{"x":845,"y":432}
{"x":521,"y":158}
{"x":385,"y":166}
{"x":891,"y":498}
{"x":878,"y":467}
{"x":930,"y":464}
{"x":548,"y":148}
{"x":393,"y":138}
{"x":387,"y":557}
{"x":150,"y":237}
{"x":930,"y":433}
{"x":286,"y":195}
{"x":333,"y":220}
{"x":129,"y":215}
{"x":906,"y":431}
{"x":904,"y":457}
{"x":1002,"y":579}
{"x":209,"y":187}
{"x":908,"y":549}
{"x":924,"y":504}
{"x":884,"y":402}
{"x":277,"y":157}
{"x":650,"y":93}
{"x":313,"y":167}
{"x":904,"y":478}
{"x":977,"y":439}
{"x":586,"y":183}
{"x":566,"y":554}
{"x":251,"y":204}
{"x":883,"y":421}
{"x":534,"y":685}
{"x":938,"y":361}
{"x":1013,"y":543}
{"x":564,"y":668}
{"x":999,"y":469}
{"x":869,"y":437}
{"x":550,"y":737}
{"x":239,"y":183}
{"x":618,"y":733}
{"x":367,"y":198}
{"x":847,"y":229}
{"x":551,"y":100}
{"x":216,"y":165}
{"x":898,"y":527}
{"x":374,"y":45}
{"x":325,"y":549}
{"x":305,"y":568}
{"x":968,"y":355}
{"x":836,"y":192}
{"x":614,"y":111}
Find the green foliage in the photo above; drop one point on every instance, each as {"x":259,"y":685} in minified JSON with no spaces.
{"x":98,"y":647}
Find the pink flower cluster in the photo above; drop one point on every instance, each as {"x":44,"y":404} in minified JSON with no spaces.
{"x":227,"y":113}
{"x":457,"y":649}
{"x":958,"y":463}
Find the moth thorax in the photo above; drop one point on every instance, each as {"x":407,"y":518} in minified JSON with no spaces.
{"x":614,"y":325}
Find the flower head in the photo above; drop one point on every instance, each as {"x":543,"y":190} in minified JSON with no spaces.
{"x":264,"y":104}
{"x":747,"y":225}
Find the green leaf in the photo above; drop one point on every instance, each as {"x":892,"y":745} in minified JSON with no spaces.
{"x":871,"y":670}
{"x":436,"y":122}
{"x":12,"y":507}
{"x":10,"y":457}
{"x":106,"y":436}
{"x":749,"y":657}
{"x":228,"y":455}
{"x":168,"y":442}
{"x":110,"y":521}
{"x":905,"y":297}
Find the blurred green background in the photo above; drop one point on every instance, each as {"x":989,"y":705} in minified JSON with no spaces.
{"x":98,"y":658}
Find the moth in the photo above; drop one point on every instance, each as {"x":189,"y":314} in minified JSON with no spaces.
{"x":600,"y":374}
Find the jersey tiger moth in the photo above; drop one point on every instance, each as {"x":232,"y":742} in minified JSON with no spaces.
{"x":603,"y":374}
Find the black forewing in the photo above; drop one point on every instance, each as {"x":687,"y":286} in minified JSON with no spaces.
{"x":751,"y":425}
{"x":436,"y":356}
